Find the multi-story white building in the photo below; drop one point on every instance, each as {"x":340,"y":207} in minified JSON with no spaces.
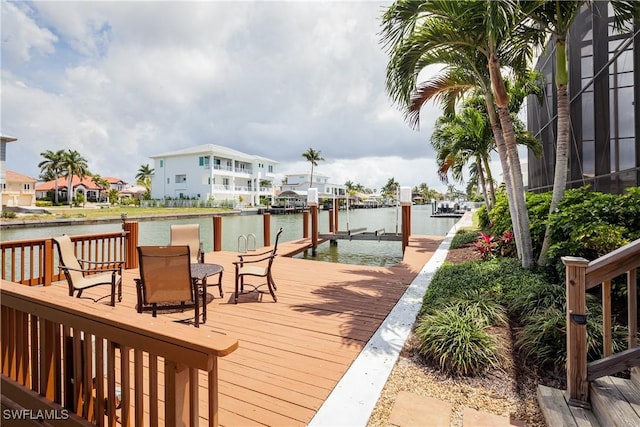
{"x":212,"y":171}
{"x":300,"y":182}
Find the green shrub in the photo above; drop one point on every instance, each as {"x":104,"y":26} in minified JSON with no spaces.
{"x":484,"y":222}
{"x":457,"y":342}
{"x":543,"y":338}
{"x":464,"y":237}
{"x":8,"y":214}
{"x":486,"y":311}
{"x":44,"y":203}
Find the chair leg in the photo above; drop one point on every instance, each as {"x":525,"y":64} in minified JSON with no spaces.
{"x":220,"y":285}
{"x":113,"y":294}
{"x":236,"y":293}
{"x":272,"y":286}
{"x":197,"y":304}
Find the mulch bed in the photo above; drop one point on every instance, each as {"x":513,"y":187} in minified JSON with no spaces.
{"x":507,"y":391}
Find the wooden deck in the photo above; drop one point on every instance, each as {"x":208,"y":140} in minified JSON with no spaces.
{"x":293,"y":352}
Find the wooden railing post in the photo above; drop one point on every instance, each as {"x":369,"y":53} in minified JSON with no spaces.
{"x":577,"y":385}
{"x":305,"y":224}
{"x":314,"y":229}
{"x":406,"y":225}
{"x":336,"y":210}
{"x":266,"y":228}
{"x":217,"y":233}
{"x":47,"y":262}
{"x":632,"y":309}
{"x":131,"y":238}
{"x":330,"y":220}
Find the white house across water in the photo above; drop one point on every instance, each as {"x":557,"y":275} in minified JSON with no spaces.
{"x":212,"y":171}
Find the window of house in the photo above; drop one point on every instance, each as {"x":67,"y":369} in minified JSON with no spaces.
{"x":181,"y":179}
{"x":203,"y":161}
{"x":167,"y":180}
{"x":270,"y":168}
{"x":161,"y":163}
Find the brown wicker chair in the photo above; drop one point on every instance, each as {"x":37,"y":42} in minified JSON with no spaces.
{"x":188,"y":234}
{"x":257,"y":265}
{"x":165,"y":280}
{"x":82,"y":274}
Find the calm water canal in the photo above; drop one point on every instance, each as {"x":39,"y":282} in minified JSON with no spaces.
{"x":354,"y":252}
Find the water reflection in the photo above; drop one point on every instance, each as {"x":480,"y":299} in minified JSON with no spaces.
{"x":348,"y":252}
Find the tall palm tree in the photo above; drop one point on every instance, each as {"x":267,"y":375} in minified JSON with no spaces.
{"x":52,"y":167}
{"x":312,"y":157}
{"x":143,"y":177}
{"x":473,"y":39}
{"x":555,"y":18}
{"x":73,"y":164}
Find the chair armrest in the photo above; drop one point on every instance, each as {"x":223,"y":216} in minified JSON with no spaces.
{"x":118,"y":263}
{"x":84,"y":270}
{"x":253,"y":261}
{"x":256,"y":254}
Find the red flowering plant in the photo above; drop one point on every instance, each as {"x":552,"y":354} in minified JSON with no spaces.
{"x":507,"y":245}
{"x":486,"y":245}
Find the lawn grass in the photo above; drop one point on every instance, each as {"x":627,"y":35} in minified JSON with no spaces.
{"x":93,"y":212}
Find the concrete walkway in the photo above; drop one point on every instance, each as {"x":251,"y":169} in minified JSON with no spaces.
{"x":354,"y":398}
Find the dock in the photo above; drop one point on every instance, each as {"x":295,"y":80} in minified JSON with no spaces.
{"x":291,"y":353}
{"x":362,"y":234}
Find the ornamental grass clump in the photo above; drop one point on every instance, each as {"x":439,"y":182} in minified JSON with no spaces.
{"x":457,"y":341}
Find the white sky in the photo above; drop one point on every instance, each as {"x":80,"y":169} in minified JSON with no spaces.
{"x":120,"y":81}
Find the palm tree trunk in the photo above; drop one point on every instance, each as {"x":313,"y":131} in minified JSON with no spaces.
{"x":492,"y":190}
{"x":518,"y":187}
{"x":502,"y":102}
{"x":70,"y":190}
{"x":55,"y":196}
{"x":506,"y":170}
{"x":483,"y":186}
{"x":562,"y":145}
{"x":311,"y":178}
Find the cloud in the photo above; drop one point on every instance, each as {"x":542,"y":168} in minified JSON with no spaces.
{"x":119,"y":81}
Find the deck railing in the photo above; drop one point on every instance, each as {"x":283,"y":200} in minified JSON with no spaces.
{"x":35,"y":262}
{"x":582,"y":275}
{"x":100,"y":364}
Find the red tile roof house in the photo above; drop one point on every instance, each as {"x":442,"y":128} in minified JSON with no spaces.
{"x":18,"y":190}
{"x":85,"y":186}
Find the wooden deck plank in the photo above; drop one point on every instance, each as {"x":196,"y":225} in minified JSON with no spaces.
{"x":291,"y":353}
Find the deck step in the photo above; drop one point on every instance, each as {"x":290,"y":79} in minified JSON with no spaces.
{"x":558,"y":413}
{"x":616,"y":401}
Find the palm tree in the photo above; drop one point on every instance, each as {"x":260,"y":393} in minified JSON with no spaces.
{"x":473,"y":39}
{"x":555,"y":18}
{"x":461,"y":139}
{"x":73,"y":164}
{"x":390,"y":188}
{"x":102,"y":183}
{"x":143,"y":177}
{"x":51,"y":167}
{"x":312,"y":157}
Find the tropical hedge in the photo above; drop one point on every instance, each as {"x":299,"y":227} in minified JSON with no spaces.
{"x":465,"y":301}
